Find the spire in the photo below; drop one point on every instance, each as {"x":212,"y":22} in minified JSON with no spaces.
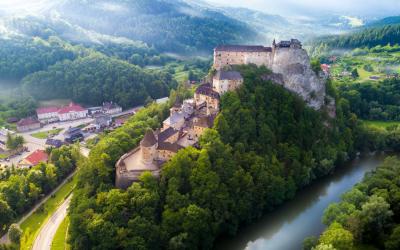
{"x":149,"y":139}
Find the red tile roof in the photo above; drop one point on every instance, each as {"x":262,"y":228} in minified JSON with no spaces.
{"x":36,"y":157}
{"x":72,"y":107}
{"x":46,"y":110}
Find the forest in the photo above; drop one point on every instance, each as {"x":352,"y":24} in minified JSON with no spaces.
{"x":367,"y":37}
{"x":96,"y":78}
{"x":167,"y":25}
{"x":265,"y":145}
{"x":20,"y":189}
{"x":367,"y":216}
{"x":22,"y":56}
{"x":374,"y":101}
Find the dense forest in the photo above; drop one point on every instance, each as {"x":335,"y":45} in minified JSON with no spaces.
{"x":367,"y":217}
{"x":22,"y":56}
{"x":96,"y":78}
{"x":265,"y":145}
{"x":20,"y":189}
{"x":368,"y":37}
{"x":167,"y":25}
{"x":372,"y":100}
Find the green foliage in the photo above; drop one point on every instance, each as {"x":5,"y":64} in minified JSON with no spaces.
{"x":370,"y":212}
{"x":369,"y":37}
{"x":265,"y":144}
{"x":20,"y":189}
{"x":14,"y":232}
{"x":94,"y":79}
{"x":22,"y":56}
{"x":310,"y":243}
{"x":14,"y":142}
{"x":372,"y":101}
{"x":168,"y":26}
{"x":338,"y":237}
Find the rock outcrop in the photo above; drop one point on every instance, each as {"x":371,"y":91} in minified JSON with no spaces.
{"x":298,"y":76}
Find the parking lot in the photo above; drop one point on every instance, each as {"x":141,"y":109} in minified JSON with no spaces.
{"x":33,"y":143}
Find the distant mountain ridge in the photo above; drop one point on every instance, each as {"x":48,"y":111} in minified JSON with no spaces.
{"x":385,"y":21}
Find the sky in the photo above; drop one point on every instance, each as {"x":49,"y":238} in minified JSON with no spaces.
{"x":317,"y":7}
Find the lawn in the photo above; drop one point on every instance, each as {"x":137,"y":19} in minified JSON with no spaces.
{"x":31,"y":226}
{"x":381,"y":124}
{"x":45,"y":134}
{"x":60,"y":238}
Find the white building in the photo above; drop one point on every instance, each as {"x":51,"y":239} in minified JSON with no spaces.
{"x":225,"y":81}
{"x":47,"y":114}
{"x":111,"y":108}
{"x":72,"y":112}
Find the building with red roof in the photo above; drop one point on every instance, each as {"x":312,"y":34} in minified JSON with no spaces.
{"x":34,"y":159}
{"x":71,"y":112}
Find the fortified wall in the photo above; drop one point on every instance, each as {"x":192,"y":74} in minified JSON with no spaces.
{"x":288,"y":61}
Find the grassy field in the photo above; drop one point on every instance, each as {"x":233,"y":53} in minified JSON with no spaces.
{"x":31,"y":226}
{"x":45,"y":134}
{"x":60,"y":238}
{"x":381,"y":124}
{"x":3,"y":156}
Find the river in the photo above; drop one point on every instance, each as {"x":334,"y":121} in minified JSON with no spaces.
{"x":287,"y":226}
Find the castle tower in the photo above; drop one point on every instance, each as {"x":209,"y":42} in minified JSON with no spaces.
{"x":148,"y":146}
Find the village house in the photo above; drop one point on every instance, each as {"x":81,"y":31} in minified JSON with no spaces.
{"x":111,"y":108}
{"x":224,"y":81}
{"x":28,"y":124}
{"x":205,"y":96}
{"x":34,"y":159}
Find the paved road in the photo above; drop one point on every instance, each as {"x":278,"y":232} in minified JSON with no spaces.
{"x":45,"y":238}
{"x":4,"y":238}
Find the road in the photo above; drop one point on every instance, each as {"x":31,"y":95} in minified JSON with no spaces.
{"x":45,"y":238}
{"x":4,"y":238}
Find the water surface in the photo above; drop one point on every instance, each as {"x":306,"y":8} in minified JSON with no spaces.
{"x":289,"y":224}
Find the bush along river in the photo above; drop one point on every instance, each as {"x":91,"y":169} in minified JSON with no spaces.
{"x":287,"y":226}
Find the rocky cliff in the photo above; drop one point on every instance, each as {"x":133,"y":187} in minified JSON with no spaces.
{"x":298,"y":76}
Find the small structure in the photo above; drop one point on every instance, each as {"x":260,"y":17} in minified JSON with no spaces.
{"x":206,"y":97}
{"x":28,"y":124}
{"x":102,"y":121}
{"x":292,"y":44}
{"x":374,"y":78}
{"x":73,"y":134}
{"x":54,"y":143}
{"x":34,"y":159}
{"x":95,"y":110}
{"x":224,"y":81}
{"x":111,"y":108}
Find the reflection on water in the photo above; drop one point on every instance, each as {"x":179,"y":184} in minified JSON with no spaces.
{"x":289,"y":224}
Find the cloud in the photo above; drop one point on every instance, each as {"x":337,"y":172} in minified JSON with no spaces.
{"x":354,"y":21}
{"x":358,"y":7}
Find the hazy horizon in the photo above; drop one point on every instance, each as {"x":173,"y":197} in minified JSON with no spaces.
{"x":317,"y":7}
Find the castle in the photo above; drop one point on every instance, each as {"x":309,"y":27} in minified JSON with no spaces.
{"x":183,"y":128}
{"x":226,"y":55}
{"x":188,"y":120}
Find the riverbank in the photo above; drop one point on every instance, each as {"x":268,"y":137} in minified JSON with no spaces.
{"x":287,"y":226}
